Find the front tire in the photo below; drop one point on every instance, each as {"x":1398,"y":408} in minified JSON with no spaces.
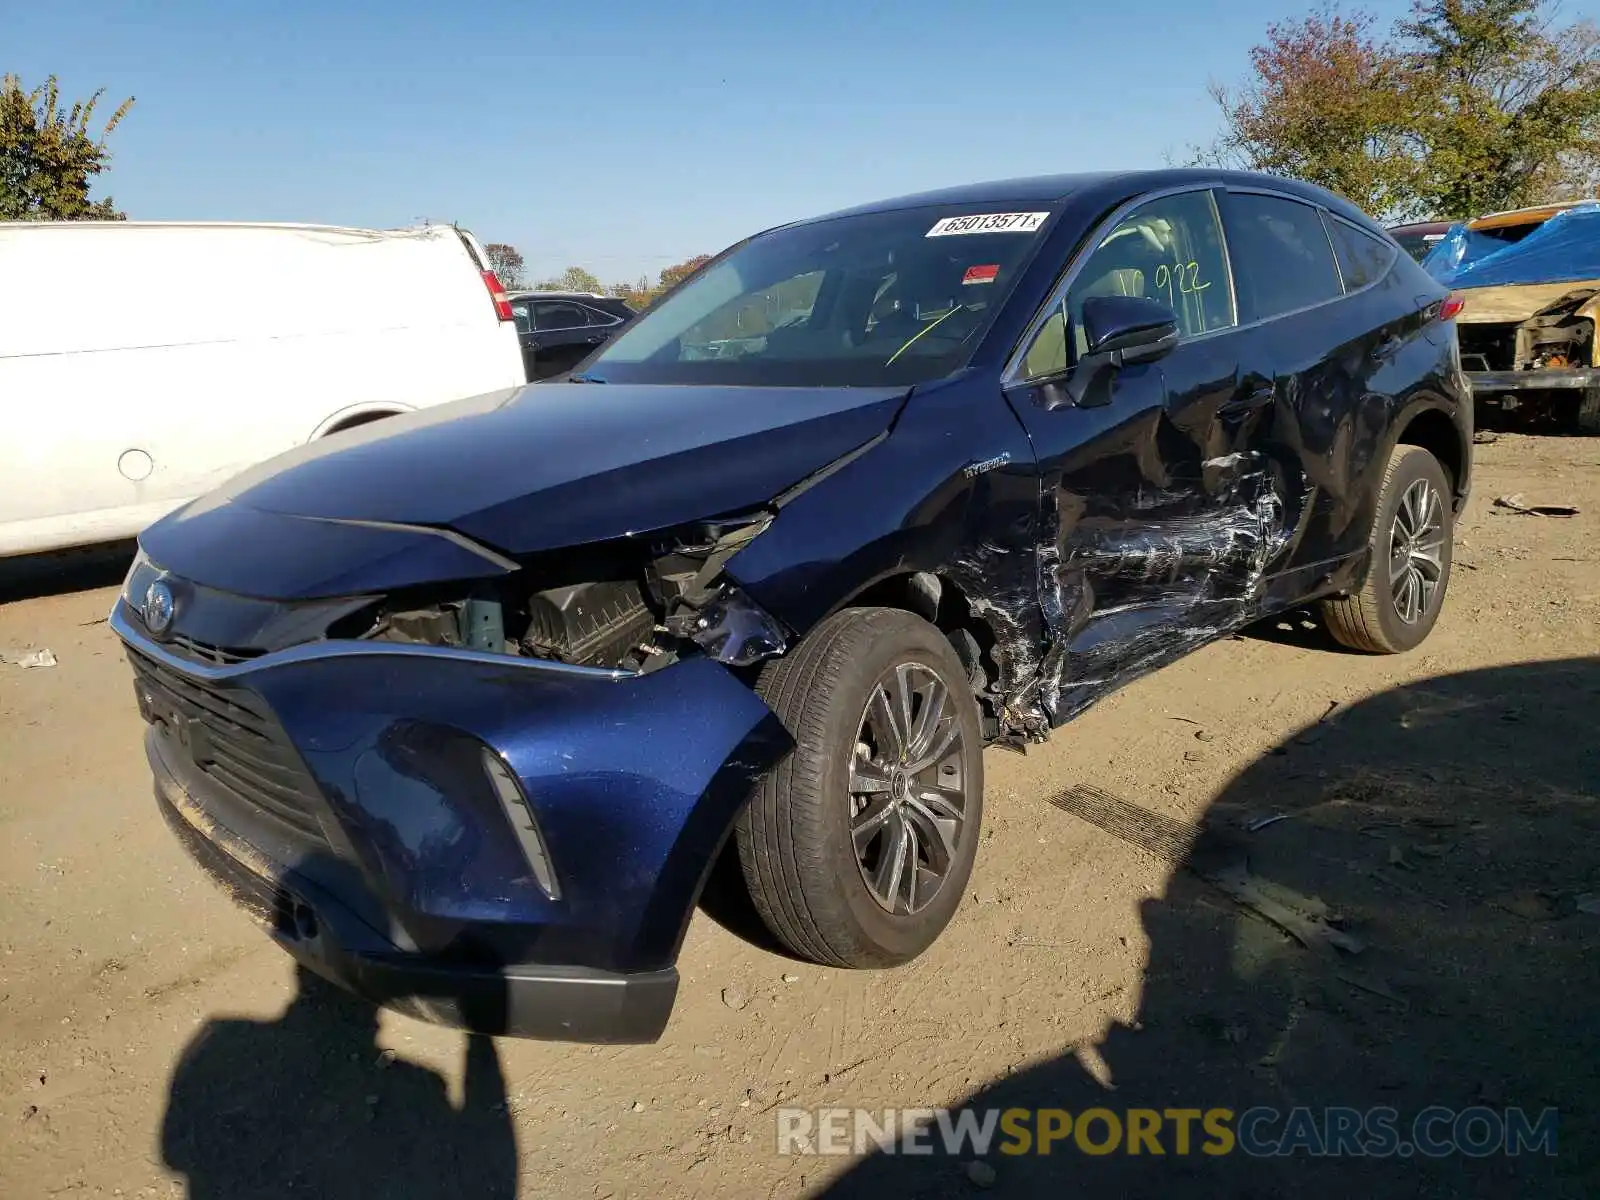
{"x":1408,"y":569}
{"x":857,"y":848}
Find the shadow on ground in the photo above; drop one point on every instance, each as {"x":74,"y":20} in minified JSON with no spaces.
{"x":1453,"y":828}
{"x":63,"y":571}
{"x":306,"y":1105}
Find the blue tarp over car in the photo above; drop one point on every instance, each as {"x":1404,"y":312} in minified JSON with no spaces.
{"x":1566,"y":247}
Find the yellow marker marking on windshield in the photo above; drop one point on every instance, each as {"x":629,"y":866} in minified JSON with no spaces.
{"x":922,"y":333}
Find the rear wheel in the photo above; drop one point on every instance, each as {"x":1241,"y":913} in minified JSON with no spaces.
{"x":857,"y":848}
{"x":1412,"y":539}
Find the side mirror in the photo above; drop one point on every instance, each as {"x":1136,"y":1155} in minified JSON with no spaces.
{"x":1128,"y":329}
{"x":1118,"y":331}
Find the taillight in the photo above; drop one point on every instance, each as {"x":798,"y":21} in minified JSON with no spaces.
{"x":502,"y":306}
{"x":1451,"y":308}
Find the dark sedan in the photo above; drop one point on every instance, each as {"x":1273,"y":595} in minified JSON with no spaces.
{"x":1420,"y":238}
{"x":465,"y":704}
{"x":558,"y":330}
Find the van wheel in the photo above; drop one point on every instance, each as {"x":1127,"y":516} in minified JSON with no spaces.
{"x":857,"y":847}
{"x":358,"y":422}
{"x":1589,"y":411}
{"x":1409,"y":565}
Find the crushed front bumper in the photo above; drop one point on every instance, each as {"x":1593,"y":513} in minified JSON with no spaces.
{"x":338,"y":791}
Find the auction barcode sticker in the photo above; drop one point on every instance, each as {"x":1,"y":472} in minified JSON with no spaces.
{"x":988,"y":223}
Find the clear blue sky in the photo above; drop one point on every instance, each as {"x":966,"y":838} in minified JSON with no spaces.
{"x":622,"y":135}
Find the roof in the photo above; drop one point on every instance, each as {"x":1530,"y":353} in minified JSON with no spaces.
{"x":1113,"y":185}
{"x":536,"y":295}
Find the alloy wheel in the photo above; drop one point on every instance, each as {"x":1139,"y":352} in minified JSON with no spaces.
{"x":1416,"y":552}
{"x":908,"y":777}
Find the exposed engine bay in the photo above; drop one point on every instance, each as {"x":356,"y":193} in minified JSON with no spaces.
{"x":633,"y":606}
{"x":1557,"y":336}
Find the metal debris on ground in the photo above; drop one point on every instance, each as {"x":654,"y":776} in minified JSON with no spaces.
{"x":1533,"y":906}
{"x":1518,"y":503}
{"x":1261,"y":823}
{"x":1304,"y":918}
{"x":38,"y":658}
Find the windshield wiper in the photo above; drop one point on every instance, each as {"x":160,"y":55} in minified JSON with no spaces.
{"x":584,"y":379}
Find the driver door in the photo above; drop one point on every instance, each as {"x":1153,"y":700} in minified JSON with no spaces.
{"x":1158,"y":511}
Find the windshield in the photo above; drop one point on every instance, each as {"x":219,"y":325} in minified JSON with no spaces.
{"x":862,"y":301}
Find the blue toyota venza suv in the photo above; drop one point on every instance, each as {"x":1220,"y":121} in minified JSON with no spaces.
{"x":463,"y":705}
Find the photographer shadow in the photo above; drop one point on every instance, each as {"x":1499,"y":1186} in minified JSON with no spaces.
{"x":1448,"y":832}
{"x":309,"y":1105}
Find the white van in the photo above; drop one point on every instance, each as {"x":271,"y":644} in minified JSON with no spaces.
{"x":144,"y":363}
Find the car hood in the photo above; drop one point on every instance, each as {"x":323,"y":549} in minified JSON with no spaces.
{"x":540,"y":468}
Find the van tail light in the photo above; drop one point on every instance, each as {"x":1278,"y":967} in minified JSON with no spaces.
{"x":502,"y":305}
{"x":1451,"y":308}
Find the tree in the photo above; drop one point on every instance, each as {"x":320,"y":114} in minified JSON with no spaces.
{"x":671,"y":277}
{"x":637,"y":295}
{"x":48,"y":156}
{"x":573,"y":279}
{"x":1516,"y":112}
{"x":506,"y":263}
{"x":1328,"y":104}
{"x":1470,"y":106}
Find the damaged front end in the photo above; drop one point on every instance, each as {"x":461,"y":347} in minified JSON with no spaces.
{"x":1530,"y":301}
{"x":1508,"y":350}
{"x":634,"y":605}
{"x":484,"y":802}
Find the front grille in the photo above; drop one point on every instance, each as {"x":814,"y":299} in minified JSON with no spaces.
{"x":234,"y":739}
{"x":215,"y":655}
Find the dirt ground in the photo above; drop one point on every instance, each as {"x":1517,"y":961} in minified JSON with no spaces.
{"x":1446,"y":810}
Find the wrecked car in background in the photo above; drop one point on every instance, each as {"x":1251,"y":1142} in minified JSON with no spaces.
{"x":1420,"y":237}
{"x":1529,"y":283}
{"x":465,"y":705}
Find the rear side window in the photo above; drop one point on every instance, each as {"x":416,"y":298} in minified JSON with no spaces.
{"x":558,"y":316}
{"x":596,"y":317}
{"x":1363,"y":259}
{"x":1281,"y":257}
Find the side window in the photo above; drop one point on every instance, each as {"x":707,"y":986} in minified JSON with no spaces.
{"x":1281,"y":256}
{"x":1169,"y":250}
{"x":1048,"y":353}
{"x":1363,"y":259}
{"x":520,"y":313}
{"x":596,"y":317}
{"x":552,"y":316}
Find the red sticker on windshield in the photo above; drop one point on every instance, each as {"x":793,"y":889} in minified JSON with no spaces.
{"x":985,"y":274}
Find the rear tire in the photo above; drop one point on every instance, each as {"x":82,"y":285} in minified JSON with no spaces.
{"x":1409,"y":562}
{"x":1589,"y":412}
{"x":869,"y":695}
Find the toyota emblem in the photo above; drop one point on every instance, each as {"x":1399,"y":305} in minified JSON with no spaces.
{"x":158,"y":607}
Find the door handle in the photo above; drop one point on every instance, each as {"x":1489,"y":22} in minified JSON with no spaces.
{"x":1257,"y":397}
{"x":594,"y":341}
